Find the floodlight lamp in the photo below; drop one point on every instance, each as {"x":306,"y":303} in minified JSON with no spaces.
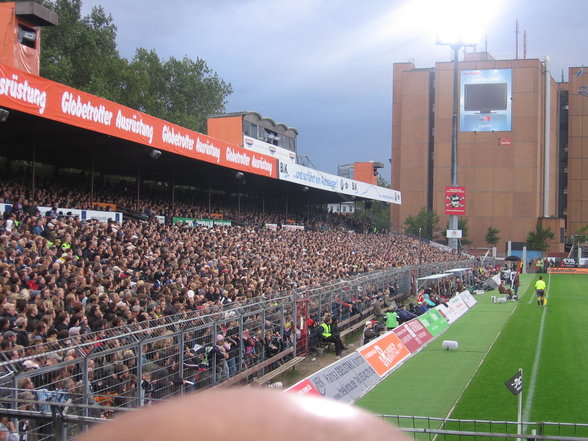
{"x":239,"y":175}
{"x":458,"y":22}
{"x":4,"y":114}
{"x":155,"y":154}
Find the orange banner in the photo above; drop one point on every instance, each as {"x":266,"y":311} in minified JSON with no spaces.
{"x":104,"y":205}
{"x":567,"y":270}
{"x":47,"y":99}
{"x":385,"y":353}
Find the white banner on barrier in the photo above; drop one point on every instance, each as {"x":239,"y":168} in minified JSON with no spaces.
{"x":104,"y":216}
{"x":447,"y":312}
{"x":346,"y":380}
{"x":458,"y":306}
{"x":468,"y":298}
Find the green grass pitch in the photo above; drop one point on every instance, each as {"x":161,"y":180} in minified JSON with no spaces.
{"x":550,"y":344}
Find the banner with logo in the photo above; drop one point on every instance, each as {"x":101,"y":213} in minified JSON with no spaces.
{"x":48,"y":99}
{"x":468,"y":298}
{"x":455,"y":308}
{"x":193,"y":222}
{"x":288,"y":227}
{"x":434,"y":322}
{"x":413,"y":335}
{"x":486,"y":101}
{"x":346,"y":380}
{"x":455,"y":201}
{"x":324,"y":181}
{"x":305,"y":387}
{"x":103,"y":216}
{"x":567,"y":270}
{"x":384,"y":353}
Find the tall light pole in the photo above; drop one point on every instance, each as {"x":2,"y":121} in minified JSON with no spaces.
{"x":455,"y":46}
{"x":420,"y":248}
{"x":453,"y":220}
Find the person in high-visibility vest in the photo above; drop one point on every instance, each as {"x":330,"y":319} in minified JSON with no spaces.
{"x":391,"y":320}
{"x":540,"y":286}
{"x":327,"y":335}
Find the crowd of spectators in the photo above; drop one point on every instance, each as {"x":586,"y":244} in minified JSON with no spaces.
{"x":62,"y":277}
{"x":153,"y":199}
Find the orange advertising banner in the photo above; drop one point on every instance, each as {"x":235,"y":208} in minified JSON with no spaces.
{"x":385,"y":353}
{"x":104,"y":205}
{"x":567,"y":270}
{"x":47,"y":99}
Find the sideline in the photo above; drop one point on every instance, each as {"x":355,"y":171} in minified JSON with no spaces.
{"x":478,"y":367}
{"x":535,"y":370}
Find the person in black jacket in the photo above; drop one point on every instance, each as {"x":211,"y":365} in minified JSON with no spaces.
{"x":20,"y":328}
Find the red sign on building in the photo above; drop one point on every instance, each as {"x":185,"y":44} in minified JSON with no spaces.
{"x":455,"y":200}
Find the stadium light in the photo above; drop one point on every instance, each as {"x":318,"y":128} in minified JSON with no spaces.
{"x":4,"y":115}
{"x":457,"y":28}
{"x":455,"y":46}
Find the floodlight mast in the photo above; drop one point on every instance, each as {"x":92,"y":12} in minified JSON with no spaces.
{"x":455,"y":46}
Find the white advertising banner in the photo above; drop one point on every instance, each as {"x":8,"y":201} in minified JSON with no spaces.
{"x":346,"y":380}
{"x":284,"y":155}
{"x":290,"y":227}
{"x":468,"y":298}
{"x":457,"y":306}
{"x":325,"y":181}
{"x":104,"y":216}
{"x":446,"y":311}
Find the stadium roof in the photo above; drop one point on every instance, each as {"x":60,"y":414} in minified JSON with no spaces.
{"x":41,"y":127}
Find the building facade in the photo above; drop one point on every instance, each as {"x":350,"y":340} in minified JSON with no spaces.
{"x":522,"y":149}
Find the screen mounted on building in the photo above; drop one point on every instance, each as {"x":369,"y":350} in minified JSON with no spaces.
{"x":485,"y":98}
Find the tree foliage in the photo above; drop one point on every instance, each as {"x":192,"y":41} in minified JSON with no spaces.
{"x":492,"y":236}
{"x":539,"y":238}
{"x":581,"y":235}
{"x":427,"y":221}
{"x":378,"y":212}
{"x":81,"y":52}
{"x":182,"y":91}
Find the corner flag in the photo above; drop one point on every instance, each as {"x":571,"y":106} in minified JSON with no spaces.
{"x":515,"y":384}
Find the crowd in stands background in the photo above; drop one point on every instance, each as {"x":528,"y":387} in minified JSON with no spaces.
{"x":62,"y":278}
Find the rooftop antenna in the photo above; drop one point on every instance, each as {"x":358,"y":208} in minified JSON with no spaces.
{"x":525,"y":44}
{"x":486,"y":46}
{"x":517,"y":39}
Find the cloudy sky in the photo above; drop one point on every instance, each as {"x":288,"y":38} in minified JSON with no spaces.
{"x":325,"y":66}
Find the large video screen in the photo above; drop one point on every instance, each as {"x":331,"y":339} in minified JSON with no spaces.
{"x":486,"y":100}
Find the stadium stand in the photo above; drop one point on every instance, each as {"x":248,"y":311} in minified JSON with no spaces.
{"x":108,"y":316}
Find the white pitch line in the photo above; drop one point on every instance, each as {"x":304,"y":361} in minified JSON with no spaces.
{"x":535,"y":370}
{"x":475,"y":372}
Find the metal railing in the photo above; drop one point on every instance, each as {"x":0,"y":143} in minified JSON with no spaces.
{"x":446,"y":429}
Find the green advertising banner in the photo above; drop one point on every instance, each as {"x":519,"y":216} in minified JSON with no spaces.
{"x":434,"y":322}
{"x":201,"y":222}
